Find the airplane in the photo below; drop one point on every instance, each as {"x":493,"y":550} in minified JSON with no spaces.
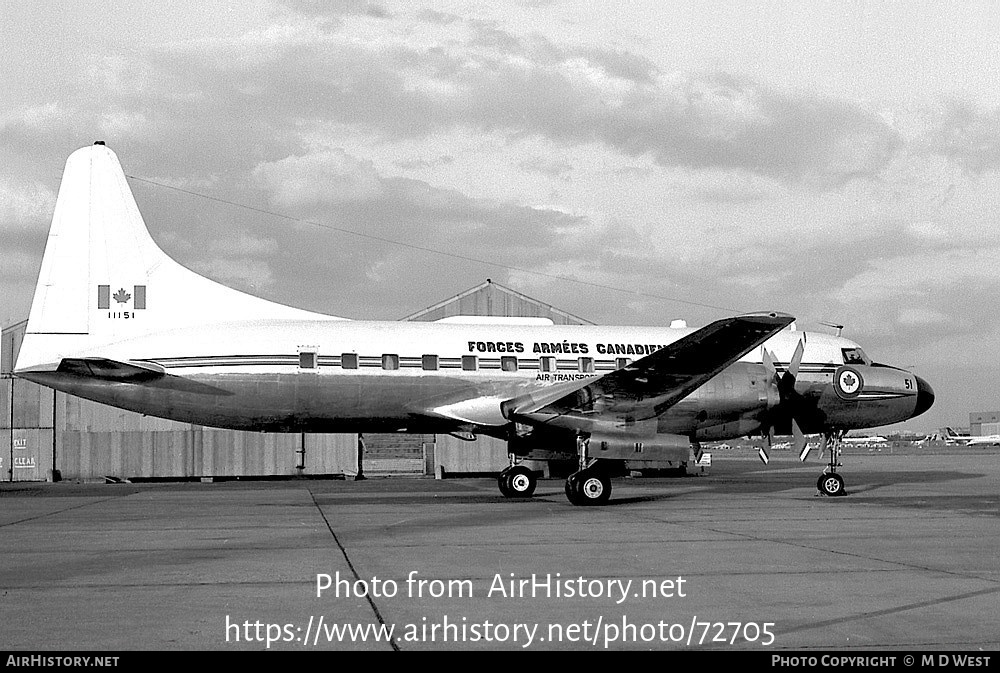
{"x":984,"y":440}
{"x":117,"y":321}
{"x":868,"y":440}
{"x":970,"y":440}
{"x":952,"y":436}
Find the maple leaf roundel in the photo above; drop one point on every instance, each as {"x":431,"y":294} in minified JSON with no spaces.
{"x":848,"y":382}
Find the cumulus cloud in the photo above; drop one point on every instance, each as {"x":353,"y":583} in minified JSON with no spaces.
{"x":18,"y":265}
{"x":23,"y":204}
{"x":437,"y":76}
{"x":906,"y":277}
{"x":243,"y":244}
{"x":248,"y":274}
{"x":967,"y":136}
{"x":929,"y":232}
{"x":320,"y":178}
{"x":920,"y":316}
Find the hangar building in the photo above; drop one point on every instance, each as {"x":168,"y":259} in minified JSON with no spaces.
{"x":984,"y":423}
{"x":51,"y":435}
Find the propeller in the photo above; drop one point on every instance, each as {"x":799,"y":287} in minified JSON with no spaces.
{"x":789,"y":401}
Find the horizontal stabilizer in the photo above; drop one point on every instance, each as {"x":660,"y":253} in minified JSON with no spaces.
{"x":79,"y":373}
{"x":110,"y":370}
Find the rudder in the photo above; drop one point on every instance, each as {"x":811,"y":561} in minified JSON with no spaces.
{"x":103,"y":279}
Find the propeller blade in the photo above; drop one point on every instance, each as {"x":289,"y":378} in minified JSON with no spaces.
{"x":762,"y":452}
{"x":767,"y":358}
{"x":801,"y":444}
{"x":800,"y":349}
{"x":793,"y":366}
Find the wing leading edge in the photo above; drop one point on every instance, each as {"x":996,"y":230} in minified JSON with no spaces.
{"x":649,"y":386}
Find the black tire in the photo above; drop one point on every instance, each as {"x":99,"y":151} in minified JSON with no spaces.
{"x":504,"y":483}
{"x":588,"y":487}
{"x":573,"y":489}
{"x":521,"y":482}
{"x":831,"y":484}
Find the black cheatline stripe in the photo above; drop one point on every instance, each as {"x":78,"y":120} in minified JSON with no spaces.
{"x":229,"y":364}
{"x":367,"y":361}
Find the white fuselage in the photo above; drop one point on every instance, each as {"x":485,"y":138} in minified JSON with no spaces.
{"x":359,"y":375}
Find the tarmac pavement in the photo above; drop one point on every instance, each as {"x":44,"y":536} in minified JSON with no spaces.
{"x":747,"y":557}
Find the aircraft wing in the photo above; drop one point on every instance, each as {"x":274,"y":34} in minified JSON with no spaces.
{"x":649,"y":386}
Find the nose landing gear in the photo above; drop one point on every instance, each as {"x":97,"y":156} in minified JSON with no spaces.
{"x":830,"y":482}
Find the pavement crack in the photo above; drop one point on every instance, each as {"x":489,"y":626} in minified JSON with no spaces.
{"x":65,"y":509}
{"x":354,"y":571}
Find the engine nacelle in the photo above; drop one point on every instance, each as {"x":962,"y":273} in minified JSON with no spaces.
{"x":740,"y":427}
{"x":659,"y":447}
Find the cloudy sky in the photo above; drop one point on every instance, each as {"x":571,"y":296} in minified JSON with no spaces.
{"x":630,"y":163}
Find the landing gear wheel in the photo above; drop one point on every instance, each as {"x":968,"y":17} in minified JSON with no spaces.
{"x":517,"y":482}
{"x":831,"y":484}
{"x":588,"y":487}
{"x":504,"y":485}
{"x":573,"y":489}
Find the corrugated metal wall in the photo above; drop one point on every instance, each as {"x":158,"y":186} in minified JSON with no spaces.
{"x":201,"y":452}
{"x":455,"y":456}
{"x":396,"y":454}
{"x":26,"y":420}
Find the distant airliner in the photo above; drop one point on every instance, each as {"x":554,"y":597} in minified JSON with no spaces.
{"x":117,"y":321}
{"x":953,"y":437}
{"x":871,"y":442}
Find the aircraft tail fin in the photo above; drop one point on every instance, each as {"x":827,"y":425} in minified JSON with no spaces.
{"x":103,"y":279}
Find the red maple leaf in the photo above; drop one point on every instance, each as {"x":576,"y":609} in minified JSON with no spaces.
{"x":121,"y":296}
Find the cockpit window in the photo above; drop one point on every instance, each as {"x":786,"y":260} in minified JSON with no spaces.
{"x":854,"y":356}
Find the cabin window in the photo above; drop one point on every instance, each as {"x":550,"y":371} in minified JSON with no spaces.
{"x":621,"y":363}
{"x":546,"y":364}
{"x":349,"y":360}
{"x":470,"y":363}
{"x":508,"y":363}
{"x":586,"y":365}
{"x":390,"y":361}
{"x":854,"y":356}
{"x":308,"y":360}
{"x":429,"y":362}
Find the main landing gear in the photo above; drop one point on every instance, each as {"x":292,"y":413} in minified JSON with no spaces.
{"x":517,"y":481}
{"x":830,"y":482}
{"x":590,"y":485}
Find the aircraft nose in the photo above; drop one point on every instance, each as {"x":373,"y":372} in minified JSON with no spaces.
{"x":925,"y":397}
